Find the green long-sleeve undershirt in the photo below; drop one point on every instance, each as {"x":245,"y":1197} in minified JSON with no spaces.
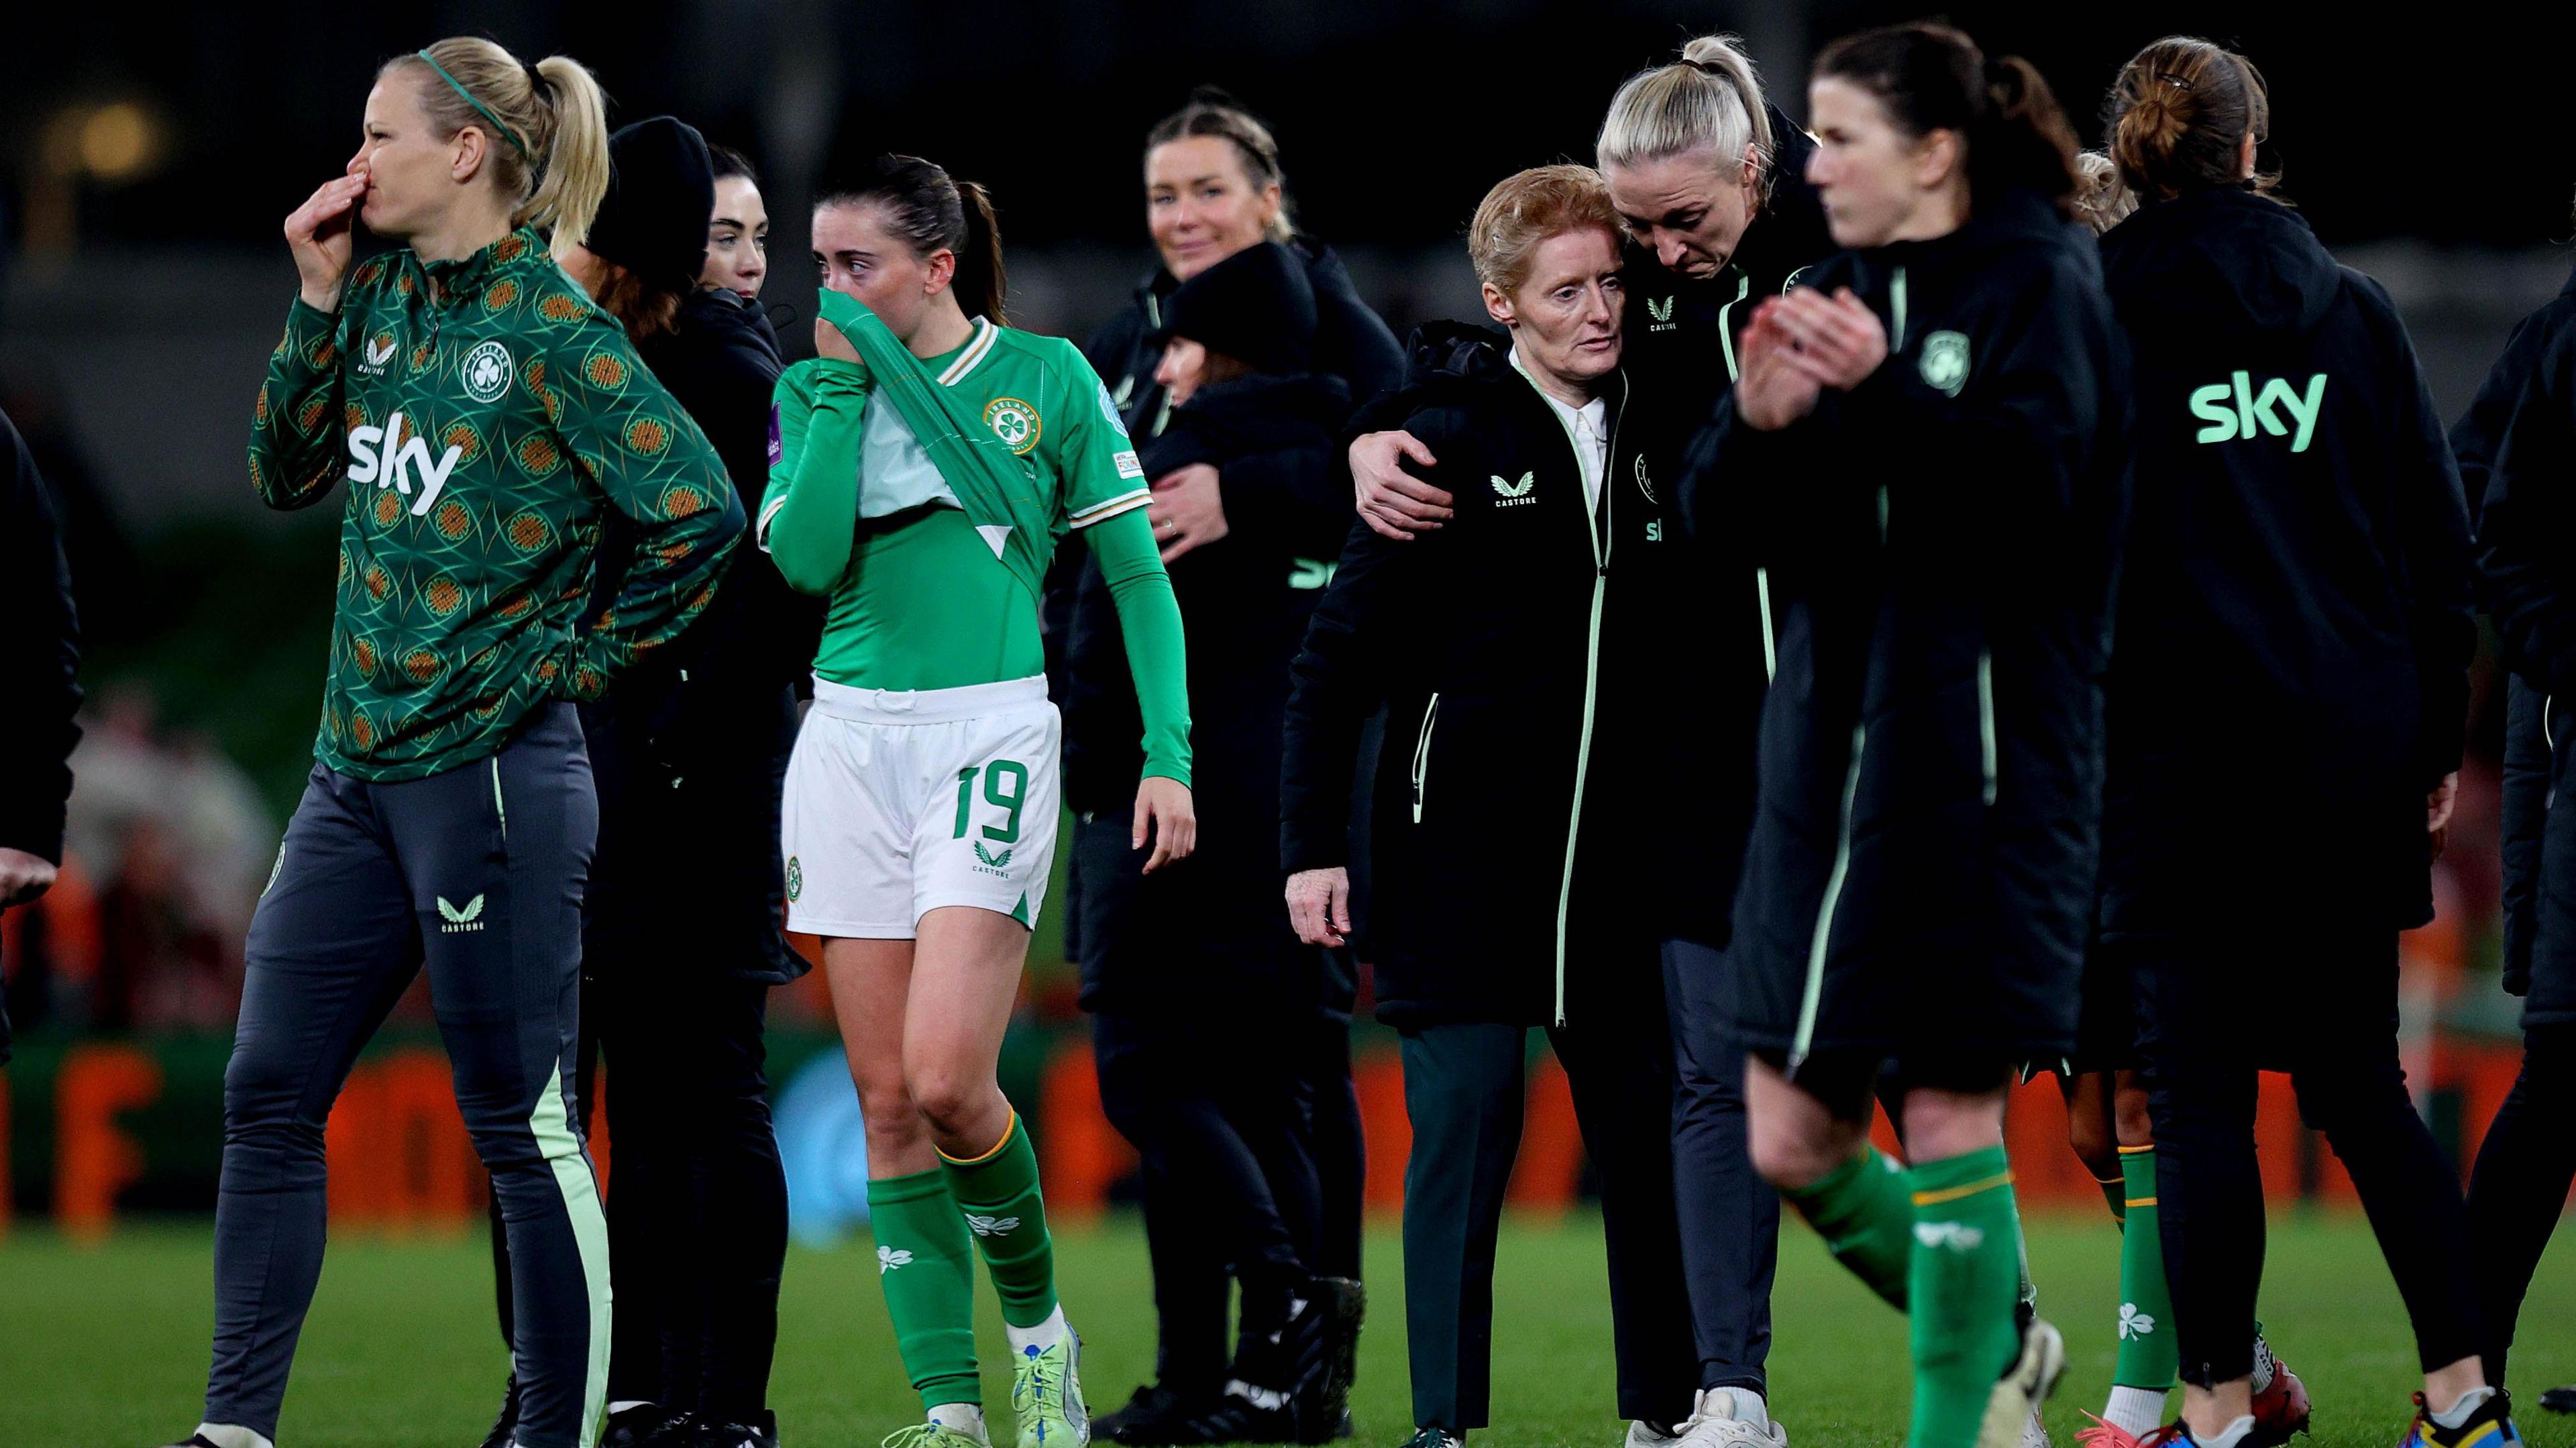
{"x":918,"y":598}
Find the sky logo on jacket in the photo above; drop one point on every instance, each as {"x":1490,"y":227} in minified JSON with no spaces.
{"x":2234,"y":409}
{"x":384,"y":457}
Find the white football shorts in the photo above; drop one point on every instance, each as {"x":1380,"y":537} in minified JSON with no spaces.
{"x":901,"y":802}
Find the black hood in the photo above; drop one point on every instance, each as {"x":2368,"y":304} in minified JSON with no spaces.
{"x":724,"y":319}
{"x":1789,"y":231}
{"x":1456,"y":351}
{"x":2229,"y":260}
{"x":1255,"y":306}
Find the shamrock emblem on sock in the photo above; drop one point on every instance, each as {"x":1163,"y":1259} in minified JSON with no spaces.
{"x":991,"y":1226}
{"x":889,"y":1258}
{"x":2134,"y":1323}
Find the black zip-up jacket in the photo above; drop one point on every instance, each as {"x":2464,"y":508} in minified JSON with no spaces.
{"x":2527,"y":762}
{"x":1513,"y":651}
{"x":39,"y":657}
{"x":2297,"y":590}
{"x":690,"y":747}
{"x":1210,"y":928}
{"x":1942,"y":545}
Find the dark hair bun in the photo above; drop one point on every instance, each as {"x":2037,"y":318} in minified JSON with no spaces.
{"x":2179,"y":114}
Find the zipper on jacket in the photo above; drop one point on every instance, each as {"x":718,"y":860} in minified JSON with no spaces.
{"x":1986,"y":718}
{"x":1814,"y":995}
{"x":1770,"y":647}
{"x":1422,"y":754}
{"x":1725,"y":333}
{"x":1896,"y":307}
{"x":1602,"y":521}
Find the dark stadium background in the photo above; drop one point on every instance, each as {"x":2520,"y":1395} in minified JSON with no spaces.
{"x":147,"y":157}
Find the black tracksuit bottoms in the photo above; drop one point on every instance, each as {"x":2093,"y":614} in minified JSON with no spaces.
{"x":1228,"y":1183}
{"x":2202,"y":1049}
{"x":1465,"y":1090}
{"x":478,"y":874}
{"x":1730,"y":1217}
{"x":2525,"y":1167}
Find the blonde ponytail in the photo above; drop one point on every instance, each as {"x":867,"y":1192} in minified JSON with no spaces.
{"x":575,"y":176}
{"x":1708,"y":100}
{"x":550,"y":154}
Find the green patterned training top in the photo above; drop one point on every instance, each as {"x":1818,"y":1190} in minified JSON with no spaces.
{"x":486,"y":414}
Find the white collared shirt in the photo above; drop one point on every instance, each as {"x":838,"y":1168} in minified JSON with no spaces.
{"x":1589,"y":427}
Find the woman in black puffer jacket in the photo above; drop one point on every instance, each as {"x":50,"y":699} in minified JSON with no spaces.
{"x":1189,"y":971}
{"x":1213,"y":187}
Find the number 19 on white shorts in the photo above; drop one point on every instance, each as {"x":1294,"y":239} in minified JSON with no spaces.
{"x":899,"y":803}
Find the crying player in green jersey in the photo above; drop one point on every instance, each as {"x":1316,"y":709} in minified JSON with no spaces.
{"x":922,"y":469}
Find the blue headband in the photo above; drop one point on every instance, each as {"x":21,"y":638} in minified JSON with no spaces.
{"x":479,"y":108}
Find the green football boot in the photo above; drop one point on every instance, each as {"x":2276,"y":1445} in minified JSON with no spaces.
{"x":1046,"y":1395}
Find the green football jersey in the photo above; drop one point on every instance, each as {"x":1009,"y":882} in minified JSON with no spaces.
{"x":924,"y":564}
{"x":486,"y":415}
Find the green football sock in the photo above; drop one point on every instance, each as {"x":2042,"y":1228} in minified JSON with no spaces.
{"x":2115,"y":1193}
{"x":928,"y":1274}
{"x":2148,"y":1357}
{"x":1861,"y":1210}
{"x":998,"y":1192}
{"x":1964,"y":1278}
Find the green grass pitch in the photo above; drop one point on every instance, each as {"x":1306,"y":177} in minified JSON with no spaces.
{"x":106,"y":1347}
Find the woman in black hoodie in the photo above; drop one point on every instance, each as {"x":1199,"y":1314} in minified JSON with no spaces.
{"x":2299,"y":552}
{"x":1924,"y":449}
{"x":1187,"y":971}
{"x":1515,"y":652}
{"x":690,"y":751}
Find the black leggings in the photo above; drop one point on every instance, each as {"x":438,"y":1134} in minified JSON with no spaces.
{"x":2524,"y":1170}
{"x":697,"y":1198}
{"x":1228,"y":1182}
{"x":1334,"y":1140}
{"x":2204,"y":1039}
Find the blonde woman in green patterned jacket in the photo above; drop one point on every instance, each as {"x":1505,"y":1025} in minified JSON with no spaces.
{"x":487,"y":417}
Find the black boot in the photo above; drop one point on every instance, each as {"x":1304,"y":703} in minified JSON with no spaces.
{"x":705,"y":1432}
{"x":1282,"y":1387}
{"x":1323,"y":1405}
{"x":1157,"y":1417}
{"x":646,"y":1425}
